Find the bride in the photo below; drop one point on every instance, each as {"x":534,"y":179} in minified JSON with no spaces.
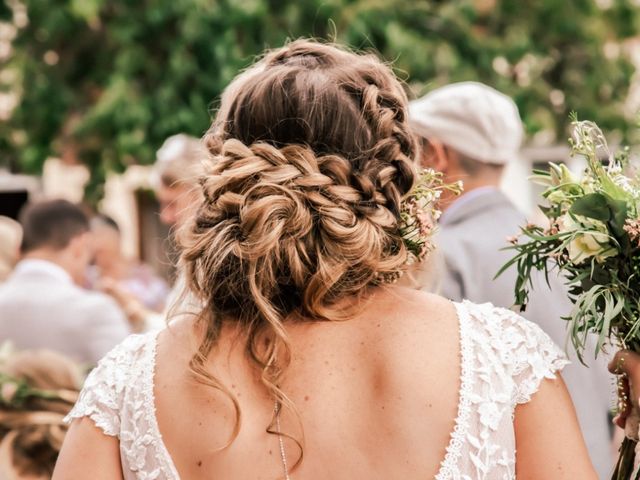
{"x":306,"y":361}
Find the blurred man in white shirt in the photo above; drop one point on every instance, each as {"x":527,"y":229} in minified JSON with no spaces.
{"x":42,"y":304}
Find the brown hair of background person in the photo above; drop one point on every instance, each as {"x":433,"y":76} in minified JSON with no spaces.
{"x":51,"y":224}
{"x":57,"y":231}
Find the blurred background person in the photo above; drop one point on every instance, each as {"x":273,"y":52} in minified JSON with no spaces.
{"x":470,"y":132}
{"x":37,"y":389}
{"x":179,"y":163}
{"x":110,"y":265}
{"x":10,"y":237}
{"x":175,"y":174}
{"x":42,"y":304}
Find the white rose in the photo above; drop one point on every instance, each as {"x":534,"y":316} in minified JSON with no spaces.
{"x":557,"y":196}
{"x":587,"y":245}
{"x":590,"y":240}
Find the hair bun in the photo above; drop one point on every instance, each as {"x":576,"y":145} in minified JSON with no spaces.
{"x":300,"y":216}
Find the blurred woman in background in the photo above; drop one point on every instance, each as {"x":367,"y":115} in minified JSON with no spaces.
{"x":37,"y":389}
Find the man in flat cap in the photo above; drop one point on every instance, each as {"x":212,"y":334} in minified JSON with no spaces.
{"x":471,"y":132}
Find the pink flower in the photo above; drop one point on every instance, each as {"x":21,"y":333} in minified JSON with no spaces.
{"x":632,"y":227}
{"x":8,"y":392}
{"x":553,"y":229}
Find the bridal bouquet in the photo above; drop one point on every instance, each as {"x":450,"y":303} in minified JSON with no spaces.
{"x":593,"y":239}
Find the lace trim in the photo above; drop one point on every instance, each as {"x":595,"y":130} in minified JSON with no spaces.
{"x":448,"y":466}
{"x":551,"y":359}
{"x":98,"y":417}
{"x":148,"y":379}
{"x":99,"y":398}
{"x":527,"y":391}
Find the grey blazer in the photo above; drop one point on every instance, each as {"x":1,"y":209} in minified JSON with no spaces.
{"x":39,"y":309}
{"x":470,"y":240}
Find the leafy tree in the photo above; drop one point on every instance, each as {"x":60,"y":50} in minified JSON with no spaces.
{"x":106,"y":81}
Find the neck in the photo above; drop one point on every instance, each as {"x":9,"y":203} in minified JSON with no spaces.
{"x":470,"y":184}
{"x":57,"y":258}
{"x":474,"y":184}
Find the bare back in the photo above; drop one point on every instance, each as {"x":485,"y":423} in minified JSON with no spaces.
{"x":377,"y":396}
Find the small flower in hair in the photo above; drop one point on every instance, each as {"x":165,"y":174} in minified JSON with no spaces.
{"x":6,"y":350}
{"x":419,"y":212}
{"x":8,"y":392}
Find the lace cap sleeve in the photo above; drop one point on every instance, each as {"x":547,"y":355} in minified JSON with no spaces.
{"x":103,"y":391}
{"x":532,"y":354}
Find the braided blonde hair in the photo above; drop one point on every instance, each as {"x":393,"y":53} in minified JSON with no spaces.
{"x":32,"y":432}
{"x":312,"y":156}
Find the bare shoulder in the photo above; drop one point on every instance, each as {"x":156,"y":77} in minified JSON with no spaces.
{"x":87,"y":451}
{"x":407,"y":308}
{"x":414,"y":327}
{"x":177,"y":343}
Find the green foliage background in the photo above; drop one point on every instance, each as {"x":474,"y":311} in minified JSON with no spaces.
{"x":108,"y":80}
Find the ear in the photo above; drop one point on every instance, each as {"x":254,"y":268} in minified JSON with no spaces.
{"x":435,"y":155}
{"x":80,"y":245}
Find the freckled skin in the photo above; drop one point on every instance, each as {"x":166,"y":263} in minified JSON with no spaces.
{"x":348,"y":386}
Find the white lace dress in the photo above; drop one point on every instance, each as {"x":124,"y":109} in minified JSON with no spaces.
{"x":503,"y":360}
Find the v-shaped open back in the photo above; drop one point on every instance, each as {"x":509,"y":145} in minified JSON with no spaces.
{"x":503,"y":359}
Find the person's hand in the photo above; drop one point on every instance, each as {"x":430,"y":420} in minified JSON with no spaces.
{"x":134,"y":310}
{"x":627,"y":364}
{"x":112,"y":288}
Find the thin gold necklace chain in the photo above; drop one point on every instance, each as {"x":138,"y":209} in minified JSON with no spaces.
{"x":283,"y":454}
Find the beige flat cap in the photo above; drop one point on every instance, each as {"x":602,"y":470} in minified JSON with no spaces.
{"x":472,"y":118}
